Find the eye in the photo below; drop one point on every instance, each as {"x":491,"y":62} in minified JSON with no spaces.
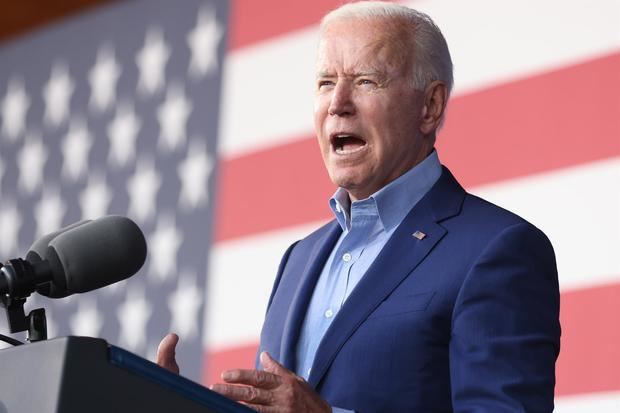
{"x":365,"y":81}
{"x":325,"y":83}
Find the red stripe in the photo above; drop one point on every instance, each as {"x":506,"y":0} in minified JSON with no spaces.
{"x":551,"y":121}
{"x":589,"y":357}
{"x":253,"y":21}
{"x":241,"y":357}
{"x":554,"y":120}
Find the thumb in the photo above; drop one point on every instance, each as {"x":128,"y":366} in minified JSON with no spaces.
{"x":166,"y":353}
{"x":272,"y":366}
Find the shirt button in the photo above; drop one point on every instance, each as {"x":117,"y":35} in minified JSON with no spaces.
{"x":329,"y":313}
{"x":346,"y":257}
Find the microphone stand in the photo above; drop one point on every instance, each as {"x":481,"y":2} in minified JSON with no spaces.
{"x":35,"y":322}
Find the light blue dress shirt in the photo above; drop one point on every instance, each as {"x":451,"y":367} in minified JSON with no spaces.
{"x":366,"y":225}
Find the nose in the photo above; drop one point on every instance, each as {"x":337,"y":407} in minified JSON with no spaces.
{"x":341,"y":102}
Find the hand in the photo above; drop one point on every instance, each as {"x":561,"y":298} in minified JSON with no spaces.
{"x":273,"y":390}
{"x":165,"y":353}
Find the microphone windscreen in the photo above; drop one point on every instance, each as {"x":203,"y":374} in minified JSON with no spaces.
{"x":38,"y":249}
{"x":36,"y":253}
{"x":99,"y":253}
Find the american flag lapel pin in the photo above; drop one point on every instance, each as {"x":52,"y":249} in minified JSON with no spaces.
{"x":419,"y":235}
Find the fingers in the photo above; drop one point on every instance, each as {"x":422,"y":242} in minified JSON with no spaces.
{"x":256,"y":378}
{"x":272,"y":366}
{"x":166,"y":353}
{"x":248,"y":394}
{"x":272,"y":391}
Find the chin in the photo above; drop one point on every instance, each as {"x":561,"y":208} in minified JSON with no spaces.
{"x":354,"y":187}
{"x":343,"y":179}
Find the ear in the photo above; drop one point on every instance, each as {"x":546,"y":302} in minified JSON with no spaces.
{"x":435,"y":100}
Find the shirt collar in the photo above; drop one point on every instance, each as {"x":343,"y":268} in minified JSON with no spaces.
{"x":394,"y":201}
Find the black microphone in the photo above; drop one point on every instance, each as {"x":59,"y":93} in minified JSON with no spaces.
{"x":37,"y":251}
{"x":79,"y":258}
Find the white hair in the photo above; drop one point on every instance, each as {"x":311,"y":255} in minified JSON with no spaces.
{"x":432,"y":59}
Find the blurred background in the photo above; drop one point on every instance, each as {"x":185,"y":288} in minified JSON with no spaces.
{"x":194,"y":118}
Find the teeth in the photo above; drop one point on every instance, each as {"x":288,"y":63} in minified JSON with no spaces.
{"x":343,"y":147}
{"x":342,"y":151}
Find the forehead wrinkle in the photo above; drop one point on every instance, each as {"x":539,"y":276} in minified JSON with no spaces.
{"x":352,"y":74}
{"x":360,"y":63}
{"x":382,"y":56}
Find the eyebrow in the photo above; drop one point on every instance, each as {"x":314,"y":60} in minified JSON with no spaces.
{"x":374,"y":73}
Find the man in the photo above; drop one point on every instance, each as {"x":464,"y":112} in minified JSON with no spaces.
{"x":418,"y":297}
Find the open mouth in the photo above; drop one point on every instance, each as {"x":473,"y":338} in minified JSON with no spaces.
{"x":344,"y":143}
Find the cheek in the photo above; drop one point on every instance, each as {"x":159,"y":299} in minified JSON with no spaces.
{"x":321,"y":103}
{"x":393,"y":120}
{"x":323,"y":146}
{"x":320,"y":112}
{"x":320,"y":116}
{"x":377,"y":109}
{"x":379,"y":125}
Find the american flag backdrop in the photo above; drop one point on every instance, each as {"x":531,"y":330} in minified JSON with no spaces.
{"x":116,"y":112}
{"x":534,"y":126}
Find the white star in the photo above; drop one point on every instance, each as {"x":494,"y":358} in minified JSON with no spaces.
{"x":123,"y":132}
{"x":14,"y":108}
{"x":133,"y":316}
{"x":48,"y":212}
{"x":57,"y":94}
{"x":151,"y":61}
{"x":10,"y":222}
{"x":194,"y":173}
{"x":142,"y":188}
{"x":87,"y":321}
{"x":96,"y":197}
{"x":184,"y":304}
{"x":203,"y":41}
{"x":172,"y":116}
{"x":75,"y":149}
{"x":103,"y":78}
{"x":31,"y":162}
{"x":164,"y":243}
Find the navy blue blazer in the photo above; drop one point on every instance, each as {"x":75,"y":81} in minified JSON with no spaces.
{"x":465,"y":319}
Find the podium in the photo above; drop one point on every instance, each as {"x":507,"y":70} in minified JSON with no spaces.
{"x":82,"y":374}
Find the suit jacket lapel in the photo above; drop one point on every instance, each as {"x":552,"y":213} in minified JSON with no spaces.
{"x":301,"y":299}
{"x":402,"y":253}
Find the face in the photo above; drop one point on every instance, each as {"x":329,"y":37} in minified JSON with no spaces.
{"x":367,"y":112}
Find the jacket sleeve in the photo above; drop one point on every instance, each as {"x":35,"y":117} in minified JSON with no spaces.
{"x":505,"y":327}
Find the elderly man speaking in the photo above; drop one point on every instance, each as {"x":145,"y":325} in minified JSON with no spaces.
{"x":417,"y":297}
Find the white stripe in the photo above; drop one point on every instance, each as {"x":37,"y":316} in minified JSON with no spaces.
{"x":241,"y":275}
{"x":267,"y":94}
{"x":608,"y":402}
{"x":492,"y":42}
{"x":581,"y":219}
